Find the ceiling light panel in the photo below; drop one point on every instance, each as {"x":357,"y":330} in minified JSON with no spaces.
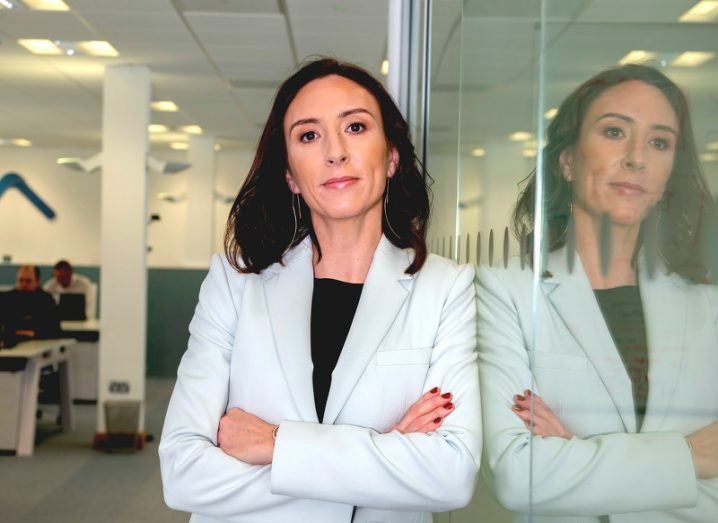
{"x":40,"y":46}
{"x":164,"y":106}
{"x":520,"y":136}
{"x":704,"y":11}
{"x":637,"y":56}
{"x":692,"y":59}
{"x":98,"y":48}
{"x":191,"y":129}
{"x":47,"y":5}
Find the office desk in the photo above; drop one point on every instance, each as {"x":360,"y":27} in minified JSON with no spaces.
{"x":18,"y":401}
{"x":84,"y":358}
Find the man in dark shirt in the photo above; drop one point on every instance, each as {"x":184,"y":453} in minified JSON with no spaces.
{"x":28,"y":312}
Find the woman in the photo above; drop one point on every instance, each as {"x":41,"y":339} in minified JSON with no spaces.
{"x":601,"y":387}
{"x":321,"y":326}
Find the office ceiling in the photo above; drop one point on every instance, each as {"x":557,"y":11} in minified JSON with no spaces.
{"x":220,"y":61}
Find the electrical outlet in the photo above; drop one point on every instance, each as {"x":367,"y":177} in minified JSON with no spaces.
{"x":120,"y":387}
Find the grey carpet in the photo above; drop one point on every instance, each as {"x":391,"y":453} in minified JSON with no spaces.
{"x":68,"y":482}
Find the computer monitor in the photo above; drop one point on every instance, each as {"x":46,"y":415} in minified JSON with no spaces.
{"x":72,"y":307}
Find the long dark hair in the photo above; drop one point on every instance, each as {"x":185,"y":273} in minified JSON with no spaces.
{"x":261,"y":225}
{"x":686,"y":198}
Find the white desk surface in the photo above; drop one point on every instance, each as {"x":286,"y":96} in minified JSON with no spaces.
{"x":81,"y":326}
{"x":31,"y":349}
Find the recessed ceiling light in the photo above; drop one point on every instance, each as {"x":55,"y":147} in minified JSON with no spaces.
{"x":385,"y":67}
{"x":703,"y":11}
{"x":692,"y":59}
{"x":520,"y":136}
{"x":98,"y":48}
{"x":157,"y":128}
{"x":164,"y":105}
{"x":708,"y":157}
{"x":21,"y":142}
{"x":40,"y":46}
{"x":549,"y":115}
{"x":712,"y":146}
{"x":47,"y":5}
{"x":529,"y":153}
{"x":179,"y":146}
{"x":478,"y":152}
{"x":191,"y":129}
{"x":217,"y":147}
{"x":637,"y":56}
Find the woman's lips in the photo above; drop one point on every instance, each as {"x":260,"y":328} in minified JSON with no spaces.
{"x":341,"y":182}
{"x":628,"y":188}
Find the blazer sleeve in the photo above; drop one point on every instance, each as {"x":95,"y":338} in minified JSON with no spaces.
{"x":593,"y":476}
{"x":197,"y":476}
{"x":394,"y":471}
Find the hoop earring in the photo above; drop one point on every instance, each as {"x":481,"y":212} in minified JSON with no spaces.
{"x":565,"y":232}
{"x":296,"y":222}
{"x":386,"y":206}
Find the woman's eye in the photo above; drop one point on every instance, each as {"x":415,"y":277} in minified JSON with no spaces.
{"x":307,"y":137}
{"x":660,"y":144}
{"x":613,"y":132}
{"x":356,"y":127}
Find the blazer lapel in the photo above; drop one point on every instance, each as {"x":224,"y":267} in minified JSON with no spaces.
{"x":571,"y":295}
{"x":288,"y":293}
{"x":385,"y":290}
{"x":664,"y":306}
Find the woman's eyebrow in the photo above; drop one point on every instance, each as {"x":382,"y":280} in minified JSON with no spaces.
{"x":628,"y":119}
{"x":349,"y":112}
{"x":343,"y":114}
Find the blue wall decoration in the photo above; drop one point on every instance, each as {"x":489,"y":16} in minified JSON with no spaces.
{"x":14,"y":180}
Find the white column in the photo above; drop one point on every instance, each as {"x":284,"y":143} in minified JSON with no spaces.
{"x":123,"y":281}
{"x":200,"y":201}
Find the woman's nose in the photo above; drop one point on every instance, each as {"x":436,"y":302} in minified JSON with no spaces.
{"x":633,"y":159}
{"x":336,"y":151}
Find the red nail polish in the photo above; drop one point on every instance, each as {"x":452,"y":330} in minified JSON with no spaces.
{"x":449,"y":406}
{"x":437,"y":420}
{"x":434,"y":390}
{"x":520,"y":397}
{"x":446,"y":395}
{"x":528,"y":393}
{"x":517,"y":408}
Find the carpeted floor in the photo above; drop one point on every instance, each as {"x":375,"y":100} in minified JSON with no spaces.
{"x":68,"y":482}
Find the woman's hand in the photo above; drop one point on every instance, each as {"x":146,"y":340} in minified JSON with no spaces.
{"x":545,"y":421}
{"x":704,"y":447}
{"x":427,"y":413}
{"x":246,"y":437}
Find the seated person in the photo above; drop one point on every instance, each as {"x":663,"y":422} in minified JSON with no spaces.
{"x":28,"y":311}
{"x":64,"y":281}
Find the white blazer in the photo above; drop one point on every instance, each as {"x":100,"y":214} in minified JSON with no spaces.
{"x":607,"y":469}
{"x":250,"y":348}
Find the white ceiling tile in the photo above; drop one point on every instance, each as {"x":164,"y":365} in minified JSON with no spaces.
{"x":54,"y":25}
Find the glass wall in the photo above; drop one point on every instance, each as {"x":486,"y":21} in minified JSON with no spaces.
{"x":574,"y":144}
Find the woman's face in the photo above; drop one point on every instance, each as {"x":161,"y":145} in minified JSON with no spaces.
{"x":338,"y":156}
{"x":624,"y":154}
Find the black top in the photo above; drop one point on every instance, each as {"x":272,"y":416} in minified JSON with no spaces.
{"x":623,"y":311}
{"x":334,"y":303}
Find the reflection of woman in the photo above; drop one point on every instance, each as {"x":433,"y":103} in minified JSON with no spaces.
{"x":623,"y":344}
{"x":327,"y":308}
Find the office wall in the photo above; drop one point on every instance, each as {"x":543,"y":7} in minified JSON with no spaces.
{"x":27,"y":236}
